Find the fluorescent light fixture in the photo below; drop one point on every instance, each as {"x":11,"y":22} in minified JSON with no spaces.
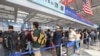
{"x":13,"y":21}
{"x":23,"y":12}
{"x":9,"y":20}
{"x":19,"y":19}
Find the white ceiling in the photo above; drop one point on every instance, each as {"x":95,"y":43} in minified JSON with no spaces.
{"x":43,"y":18}
{"x":8,"y":11}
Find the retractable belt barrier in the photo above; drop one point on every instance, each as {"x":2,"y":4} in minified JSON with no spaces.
{"x":32,"y":51}
{"x":42,"y":49}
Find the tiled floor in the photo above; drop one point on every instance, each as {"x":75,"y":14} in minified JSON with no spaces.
{"x":1,"y":50}
{"x":93,"y":51}
{"x":48,"y":53}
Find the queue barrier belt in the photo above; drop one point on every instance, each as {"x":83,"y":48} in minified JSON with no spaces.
{"x":69,"y":44}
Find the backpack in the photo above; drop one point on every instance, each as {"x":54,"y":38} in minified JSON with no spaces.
{"x":42,"y":39}
{"x":6,"y":40}
{"x":9,"y":39}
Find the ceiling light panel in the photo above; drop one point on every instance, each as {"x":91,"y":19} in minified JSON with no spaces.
{"x":22,"y":12}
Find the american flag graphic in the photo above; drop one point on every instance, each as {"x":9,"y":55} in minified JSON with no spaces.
{"x":87,"y":7}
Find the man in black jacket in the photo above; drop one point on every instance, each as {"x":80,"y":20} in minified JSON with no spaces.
{"x":10,"y":39}
{"x":57,"y":39}
{"x":23,"y":35}
{"x":1,"y":47}
{"x":1,"y":37}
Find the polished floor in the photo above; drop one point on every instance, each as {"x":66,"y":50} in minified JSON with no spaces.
{"x":92,"y":51}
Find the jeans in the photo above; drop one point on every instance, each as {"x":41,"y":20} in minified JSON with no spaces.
{"x":29,"y":47}
{"x":77,"y":44}
{"x":9,"y":52}
{"x":92,"y":40}
{"x":86,"y":42}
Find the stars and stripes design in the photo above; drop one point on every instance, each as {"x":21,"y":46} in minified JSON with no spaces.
{"x":87,"y":7}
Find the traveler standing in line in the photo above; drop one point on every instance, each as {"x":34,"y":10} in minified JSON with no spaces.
{"x":28,"y":40}
{"x":48,"y":33}
{"x":78,"y":35}
{"x":97,"y":33}
{"x":66,"y":36}
{"x":72,"y":35}
{"x":1,"y":39}
{"x":92,"y":35}
{"x":23,"y":34}
{"x":0,"y":32}
{"x":10,"y":39}
{"x":63,"y":35}
{"x":57,"y":39}
{"x":86,"y":36}
{"x":95,"y":36}
{"x":81,"y":38}
{"x":1,"y":42}
{"x":99,"y":36}
{"x":35,"y":35}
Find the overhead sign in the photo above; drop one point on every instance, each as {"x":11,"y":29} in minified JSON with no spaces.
{"x":57,"y":6}
{"x":73,"y":14}
{"x":51,"y":4}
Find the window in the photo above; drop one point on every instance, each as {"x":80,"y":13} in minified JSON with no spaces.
{"x":48,"y":1}
{"x":51,"y":3}
{"x":56,"y":5}
{"x":45,"y":0}
{"x":62,"y":8}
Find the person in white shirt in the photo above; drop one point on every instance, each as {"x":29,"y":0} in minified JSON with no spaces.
{"x":98,"y":35}
{"x":78,"y":35}
{"x":72,"y":34}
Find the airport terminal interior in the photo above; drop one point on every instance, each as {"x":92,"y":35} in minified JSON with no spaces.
{"x":49,"y":28}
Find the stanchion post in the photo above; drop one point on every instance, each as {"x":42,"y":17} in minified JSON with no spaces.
{"x":89,"y":43}
{"x":61,"y":50}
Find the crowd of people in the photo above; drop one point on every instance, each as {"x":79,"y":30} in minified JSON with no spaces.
{"x":26,"y":40}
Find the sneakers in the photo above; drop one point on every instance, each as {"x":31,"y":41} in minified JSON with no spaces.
{"x":77,"y":52}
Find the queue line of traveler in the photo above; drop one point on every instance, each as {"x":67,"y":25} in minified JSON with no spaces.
{"x":21,"y":42}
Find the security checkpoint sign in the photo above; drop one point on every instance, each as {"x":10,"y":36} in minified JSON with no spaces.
{"x":51,"y":4}
{"x":58,"y":7}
